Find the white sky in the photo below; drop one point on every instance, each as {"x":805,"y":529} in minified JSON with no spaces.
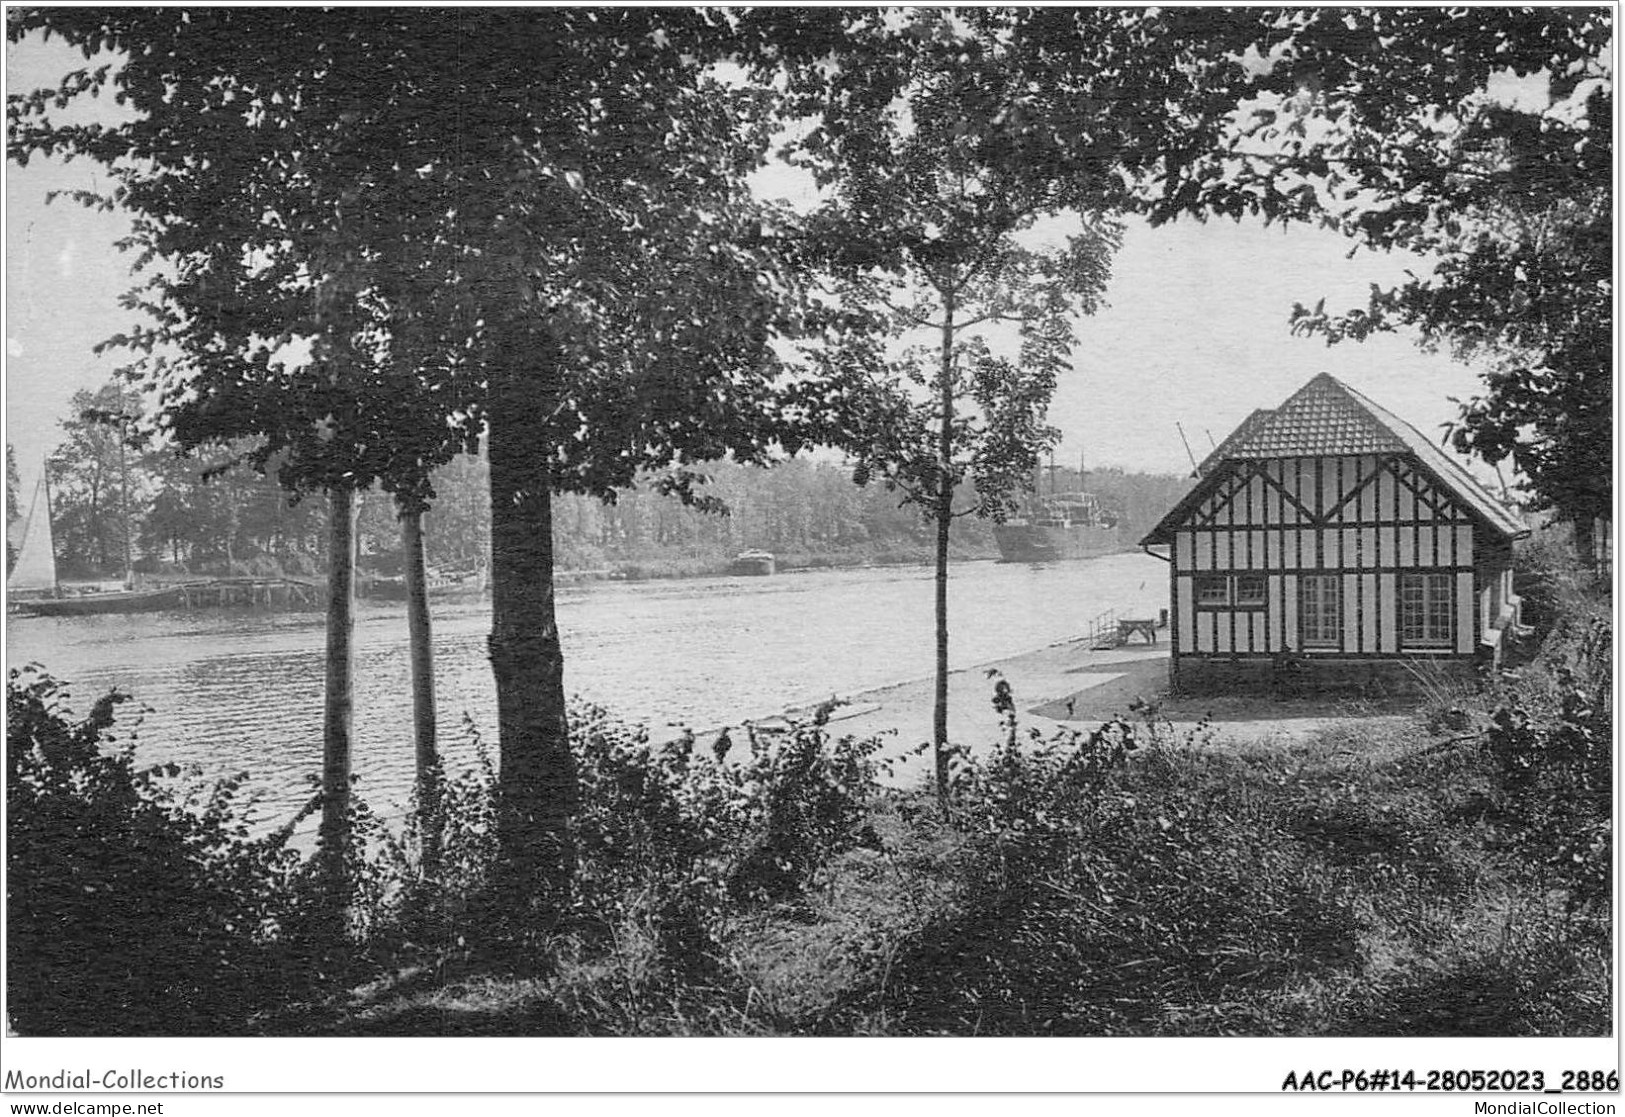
{"x":1195,"y":330}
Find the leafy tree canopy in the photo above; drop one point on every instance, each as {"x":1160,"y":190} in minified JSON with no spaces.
{"x":90,"y":478}
{"x":1479,"y":138}
{"x":354,"y":213}
{"x":386,"y":234}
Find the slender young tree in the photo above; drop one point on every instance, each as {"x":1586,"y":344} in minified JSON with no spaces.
{"x":420,"y":636}
{"x":338,"y":713}
{"x":964,"y":325}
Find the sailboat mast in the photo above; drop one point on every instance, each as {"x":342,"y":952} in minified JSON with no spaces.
{"x":50,"y":529}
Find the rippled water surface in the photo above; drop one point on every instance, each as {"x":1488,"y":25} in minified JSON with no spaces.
{"x":234,"y":691}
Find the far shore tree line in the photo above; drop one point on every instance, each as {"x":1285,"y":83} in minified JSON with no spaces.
{"x":391,"y":238}
{"x":183,"y":520}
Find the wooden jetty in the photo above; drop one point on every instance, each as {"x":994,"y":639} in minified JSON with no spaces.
{"x":215,"y":593}
{"x":265,"y":593}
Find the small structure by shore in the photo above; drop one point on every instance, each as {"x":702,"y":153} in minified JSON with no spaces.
{"x":755,"y":563}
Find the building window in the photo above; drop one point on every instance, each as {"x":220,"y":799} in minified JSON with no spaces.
{"x":1426,"y":611}
{"x":1320,"y":610}
{"x":1225,"y":591}
{"x":1251,"y":589}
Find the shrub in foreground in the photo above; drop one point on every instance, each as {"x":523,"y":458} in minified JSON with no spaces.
{"x":133,"y":905}
{"x":130,"y":893}
{"x":1108,"y":884}
{"x":671,"y":838}
{"x":1551,"y":745}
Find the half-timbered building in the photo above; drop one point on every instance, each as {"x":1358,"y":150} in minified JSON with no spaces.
{"x":1330,"y":531}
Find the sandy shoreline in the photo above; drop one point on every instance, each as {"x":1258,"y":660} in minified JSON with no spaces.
{"x":1100,"y":684}
{"x":1071,"y":685}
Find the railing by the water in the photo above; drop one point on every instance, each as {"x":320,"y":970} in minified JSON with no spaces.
{"x":1102,"y":632}
{"x":275,"y":593}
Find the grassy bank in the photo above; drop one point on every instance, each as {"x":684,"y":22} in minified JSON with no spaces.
{"x":1341,"y":886}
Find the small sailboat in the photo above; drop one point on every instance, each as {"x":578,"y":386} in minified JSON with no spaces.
{"x":34,"y":575}
{"x":32,"y":587}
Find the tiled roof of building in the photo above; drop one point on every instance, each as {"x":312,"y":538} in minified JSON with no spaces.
{"x":1447,"y":469}
{"x":1325,"y":418}
{"x":1226,"y":449}
{"x":1317,"y":421}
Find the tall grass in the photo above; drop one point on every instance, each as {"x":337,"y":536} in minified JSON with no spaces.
{"x":1350,"y":884}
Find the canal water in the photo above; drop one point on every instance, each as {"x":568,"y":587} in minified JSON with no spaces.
{"x":236,"y":691}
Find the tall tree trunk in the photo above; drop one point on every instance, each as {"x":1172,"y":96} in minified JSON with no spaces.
{"x":340,"y":703}
{"x":536,"y":787}
{"x":1585,"y":538}
{"x":944,"y":516}
{"x":231,"y":533}
{"x":124,"y":497}
{"x":96,"y":536}
{"x":420,"y":638}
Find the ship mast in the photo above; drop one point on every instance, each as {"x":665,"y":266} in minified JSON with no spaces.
{"x":1195,"y":469}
